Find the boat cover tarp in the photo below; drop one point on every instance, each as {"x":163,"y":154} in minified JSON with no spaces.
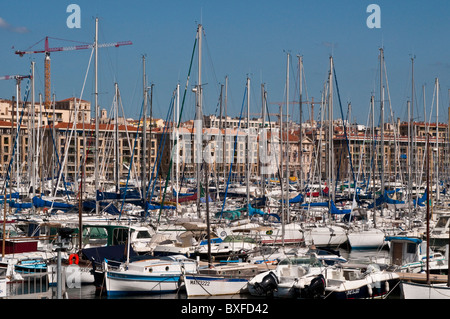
{"x":20,"y":205}
{"x":151,"y":206}
{"x":123,"y":193}
{"x":386,"y":199}
{"x":111,"y":209}
{"x":318,"y":204}
{"x":39,"y":202}
{"x":253,"y":211}
{"x":334,"y":209}
{"x":421,"y":200}
{"x":116,"y":253}
{"x":294,"y":200}
{"x":412,"y":239}
{"x":12,"y":195}
{"x":337,"y":211}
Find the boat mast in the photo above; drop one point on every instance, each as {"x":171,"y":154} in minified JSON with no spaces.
{"x":144,"y":135}
{"x":409,"y":156}
{"x":176,"y":124}
{"x":225,"y":151}
{"x":199,"y":117}
{"x":33,"y":140}
{"x":300,"y":72}
{"x":208,"y":226}
{"x":330,"y":137}
{"x":287,"y":140}
{"x":428,"y":211}
{"x":382,"y":124}
{"x":263,"y":131}
{"x":437,"y":141}
{"x":96,"y":118}
{"x":372,"y":103}
{"x":248,"y":143}
{"x":18,"y":138}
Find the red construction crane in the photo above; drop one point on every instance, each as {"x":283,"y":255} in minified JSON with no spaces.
{"x":47,"y":50}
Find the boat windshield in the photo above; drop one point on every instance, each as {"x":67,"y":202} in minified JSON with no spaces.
{"x":442,"y":222}
{"x":239,"y":238}
{"x":301,"y":261}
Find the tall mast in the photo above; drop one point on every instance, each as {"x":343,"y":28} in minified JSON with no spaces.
{"x":96,"y":118}
{"x":300,"y":72}
{"x":177,"y":136}
{"x":330,"y":135}
{"x":33,"y":140}
{"x":18,"y":137}
{"x":382,"y":124}
{"x":428,"y":212}
{"x":287,"y":140}
{"x":409,"y":157}
{"x":116,"y":144}
{"x":144,"y":134}
{"x":263,"y":131}
{"x":437,"y":140}
{"x":372,"y":104}
{"x":225,"y":150}
{"x":248,"y":142}
{"x":199,"y":117}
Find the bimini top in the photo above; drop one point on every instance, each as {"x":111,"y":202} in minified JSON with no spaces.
{"x":411,"y":239}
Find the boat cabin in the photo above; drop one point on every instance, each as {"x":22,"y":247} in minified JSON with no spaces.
{"x":405,"y":250}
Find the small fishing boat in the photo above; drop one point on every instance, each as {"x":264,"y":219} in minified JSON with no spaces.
{"x":147,"y":276}
{"x":354,"y":282}
{"x":220,"y":279}
{"x":291,"y":275}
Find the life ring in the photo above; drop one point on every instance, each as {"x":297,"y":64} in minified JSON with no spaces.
{"x":71,"y":257}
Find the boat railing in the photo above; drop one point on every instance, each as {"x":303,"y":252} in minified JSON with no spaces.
{"x":29,"y":286}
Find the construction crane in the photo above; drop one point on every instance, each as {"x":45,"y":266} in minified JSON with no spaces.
{"x":15,"y":77}
{"x":18,"y":79}
{"x":47,"y":50}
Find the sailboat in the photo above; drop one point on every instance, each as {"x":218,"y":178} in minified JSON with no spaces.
{"x":427,"y":290}
{"x":220,"y":278}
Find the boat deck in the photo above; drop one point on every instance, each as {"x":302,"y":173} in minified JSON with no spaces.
{"x":422,"y":278}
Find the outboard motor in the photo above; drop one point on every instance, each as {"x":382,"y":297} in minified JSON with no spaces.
{"x":267,"y":285}
{"x":316,"y":290}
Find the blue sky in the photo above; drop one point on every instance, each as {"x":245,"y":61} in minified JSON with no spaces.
{"x":243,"y":38}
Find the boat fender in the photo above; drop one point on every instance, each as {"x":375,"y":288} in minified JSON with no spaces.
{"x":386,"y":286}
{"x":72,"y":257}
{"x":369,"y":289}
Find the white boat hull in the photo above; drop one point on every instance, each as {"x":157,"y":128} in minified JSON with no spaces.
{"x":366,"y":239}
{"x":206,"y":285}
{"x":118,"y":283}
{"x":325,"y":236}
{"x":423,"y":291}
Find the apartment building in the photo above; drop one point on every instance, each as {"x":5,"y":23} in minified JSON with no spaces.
{"x":60,"y":111}
{"x":76,"y":143}
{"x":402,"y":155}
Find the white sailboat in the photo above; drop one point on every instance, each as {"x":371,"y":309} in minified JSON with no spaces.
{"x":413,"y":290}
{"x":148,"y":276}
{"x":427,"y":290}
{"x":222,"y":278}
